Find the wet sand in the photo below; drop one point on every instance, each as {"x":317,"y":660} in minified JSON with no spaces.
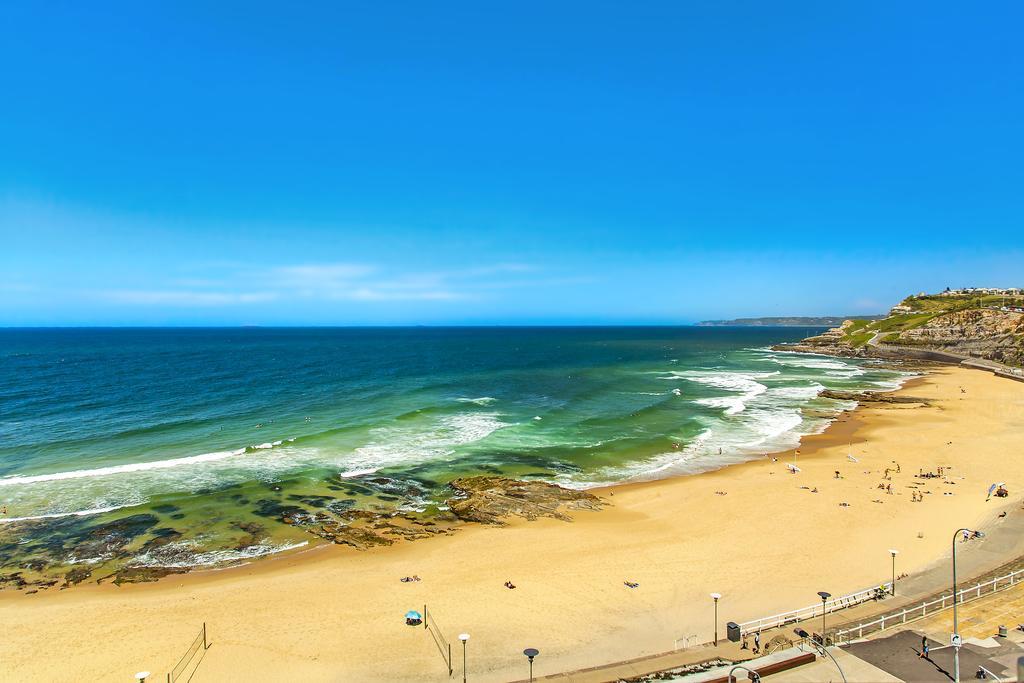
{"x":768,"y":544}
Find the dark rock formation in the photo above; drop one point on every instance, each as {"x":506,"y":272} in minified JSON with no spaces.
{"x":146,"y":574}
{"x":76,"y":576}
{"x":489,"y":500}
{"x":871,"y":397}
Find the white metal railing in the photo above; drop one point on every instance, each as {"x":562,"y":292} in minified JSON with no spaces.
{"x":847,"y":635}
{"x":832,"y":605}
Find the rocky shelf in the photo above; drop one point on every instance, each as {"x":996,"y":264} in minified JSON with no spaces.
{"x":491,"y":500}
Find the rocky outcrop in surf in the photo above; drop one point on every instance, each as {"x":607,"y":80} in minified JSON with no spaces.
{"x":870,"y":397}
{"x":491,"y":500}
{"x":481,"y":500}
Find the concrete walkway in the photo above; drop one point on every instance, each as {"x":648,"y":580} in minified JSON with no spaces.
{"x":975,"y":559}
{"x":824,"y":670}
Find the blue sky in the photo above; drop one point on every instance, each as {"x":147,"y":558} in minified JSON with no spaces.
{"x":434,"y":163}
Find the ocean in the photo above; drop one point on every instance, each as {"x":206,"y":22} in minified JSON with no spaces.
{"x":180,"y":447}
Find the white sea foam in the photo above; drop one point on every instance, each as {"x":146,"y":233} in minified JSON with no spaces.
{"x":744,"y":383}
{"x":348,"y":474}
{"x":798,"y":393}
{"x":401,"y":445}
{"x":57,"y":515}
{"x":118,"y":469}
{"x":767,"y":424}
{"x":646,"y":469}
{"x":731,"y":404}
{"x":482,"y":401}
{"x":182,"y":554}
{"x":20,"y":480}
{"x":812,"y":362}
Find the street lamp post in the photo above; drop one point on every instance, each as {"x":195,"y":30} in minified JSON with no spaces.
{"x":956,"y":629}
{"x":464,"y":637}
{"x":892,"y":587}
{"x":824,"y":598}
{"x":530,"y":653}
{"x":716,"y":597}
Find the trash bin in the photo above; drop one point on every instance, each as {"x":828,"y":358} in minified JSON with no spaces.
{"x":733,"y":629}
{"x":1002,"y":631}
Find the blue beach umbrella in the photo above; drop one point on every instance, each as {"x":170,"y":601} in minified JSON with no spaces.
{"x":413,"y":614}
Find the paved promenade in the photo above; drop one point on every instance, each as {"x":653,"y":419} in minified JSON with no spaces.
{"x":976,"y":560}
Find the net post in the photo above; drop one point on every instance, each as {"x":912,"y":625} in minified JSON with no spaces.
{"x":450,"y":670}
{"x":425,"y":616}
{"x":169,"y":678}
{"x":205,"y":646}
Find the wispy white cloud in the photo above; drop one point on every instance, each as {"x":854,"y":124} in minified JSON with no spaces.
{"x":185,"y":297}
{"x":18,"y":287}
{"x":370,"y":294}
{"x":321,"y":275}
{"x":325,"y":281}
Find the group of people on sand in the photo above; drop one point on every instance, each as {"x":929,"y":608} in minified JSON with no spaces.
{"x":509,"y":585}
{"x":921,"y":474}
{"x":410,"y":579}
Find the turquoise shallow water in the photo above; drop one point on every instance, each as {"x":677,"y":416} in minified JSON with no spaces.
{"x":196,"y":433}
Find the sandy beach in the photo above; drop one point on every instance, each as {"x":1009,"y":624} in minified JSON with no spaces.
{"x":335,"y":614}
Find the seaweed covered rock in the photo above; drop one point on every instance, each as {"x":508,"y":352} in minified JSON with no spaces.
{"x":489,"y":500}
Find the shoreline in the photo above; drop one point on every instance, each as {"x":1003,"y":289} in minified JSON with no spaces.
{"x":807,"y":442}
{"x":667,"y":535}
{"x":401,"y":525}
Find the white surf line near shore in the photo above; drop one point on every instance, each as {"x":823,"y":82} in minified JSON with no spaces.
{"x":18,"y":479}
{"x":57,"y":515}
{"x":178,"y":555}
{"x":349,"y":474}
{"x":119,"y":469}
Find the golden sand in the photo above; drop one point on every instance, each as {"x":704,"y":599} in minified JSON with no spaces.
{"x":768,"y":544}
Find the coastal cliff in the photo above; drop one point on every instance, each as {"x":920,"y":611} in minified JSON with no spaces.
{"x":987,"y":326}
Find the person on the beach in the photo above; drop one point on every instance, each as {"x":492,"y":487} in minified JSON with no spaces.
{"x":757,"y":642}
{"x":837,"y":474}
{"x":967,"y":535}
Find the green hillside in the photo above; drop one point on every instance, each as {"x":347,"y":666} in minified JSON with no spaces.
{"x":978,"y":324}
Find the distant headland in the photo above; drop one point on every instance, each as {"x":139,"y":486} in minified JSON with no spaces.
{"x":788,"y":321}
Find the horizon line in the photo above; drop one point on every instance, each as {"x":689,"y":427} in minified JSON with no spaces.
{"x":380,"y":326}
